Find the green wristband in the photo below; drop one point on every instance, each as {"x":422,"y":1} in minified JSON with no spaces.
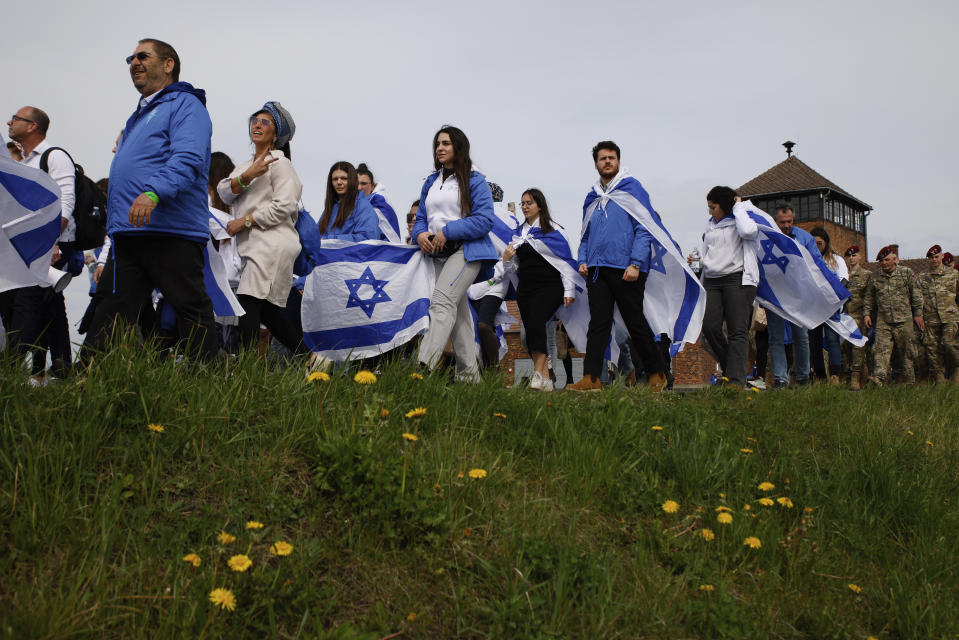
{"x":152,"y":196}
{"x":240,"y":182}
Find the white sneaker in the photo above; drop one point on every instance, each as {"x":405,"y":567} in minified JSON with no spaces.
{"x":540,"y":383}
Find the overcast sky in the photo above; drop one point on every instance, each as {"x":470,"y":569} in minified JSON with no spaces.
{"x":695,"y":93}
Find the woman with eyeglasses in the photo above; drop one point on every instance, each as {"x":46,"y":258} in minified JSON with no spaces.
{"x":542,"y":260}
{"x":452,"y":226}
{"x":264,"y":192}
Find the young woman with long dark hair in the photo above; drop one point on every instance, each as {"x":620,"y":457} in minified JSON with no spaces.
{"x":452,"y":226}
{"x":543,"y":284}
{"x":347,"y":213}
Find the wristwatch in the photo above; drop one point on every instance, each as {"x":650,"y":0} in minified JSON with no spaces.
{"x":248,"y":222}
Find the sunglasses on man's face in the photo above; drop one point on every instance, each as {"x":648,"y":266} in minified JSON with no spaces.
{"x":139,"y":55}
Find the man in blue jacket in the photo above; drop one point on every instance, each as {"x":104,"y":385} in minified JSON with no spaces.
{"x":157,"y":202}
{"x":614,"y":259}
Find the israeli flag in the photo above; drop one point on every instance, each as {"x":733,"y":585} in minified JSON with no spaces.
{"x":225,"y":303}
{"x":29,"y":224}
{"x":795,"y":285}
{"x":505,"y":225}
{"x":365,"y":298}
{"x":678,"y":315}
{"x":388,"y":222}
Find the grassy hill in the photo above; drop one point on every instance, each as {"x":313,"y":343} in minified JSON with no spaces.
{"x":498,"y":513}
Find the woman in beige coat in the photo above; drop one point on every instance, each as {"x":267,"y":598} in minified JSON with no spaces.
{"x":264,"y":192}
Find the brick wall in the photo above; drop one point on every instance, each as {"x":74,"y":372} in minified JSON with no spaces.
{"x":841,"y":238}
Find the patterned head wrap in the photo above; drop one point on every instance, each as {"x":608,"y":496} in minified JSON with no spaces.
{"x":885,"y":251}
{"x":497,"y":191}
{"x":934,"y":250}
{"x":852,"y":250}
{"x":947,"y":258}
{"x":285,"y":127}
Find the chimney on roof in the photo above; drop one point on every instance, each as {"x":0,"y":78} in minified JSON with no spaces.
{"x":789,"y":144}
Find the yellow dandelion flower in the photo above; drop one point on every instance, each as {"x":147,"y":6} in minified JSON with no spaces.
{"x":855,"y":588}
{"x":320,"y":376}
{"x":365,"y":377}
{"x":254,"y":524}
{"x":477,"y":474}
{"x":384,"y":413}
{"x":807,"y":509}
{"x":670,"y":506}
{"x":412,"y":437}
{"x":193,"y":559}
{"x":785,"y":502}
{"x":416,"y":376}
{"x":766,"y":502}
{"x":751,"y":439}
{"x":929,"y":442}
{"x":766,"y":486}
{"x":707,"y":534}
{"x":418,"y":412}
{"x":752,"y":542}
{"x":722,"y":495}
{"x":501,"y":416}
{"x":910,"y":433}
{"x":724,"y":518}
{"x":722,"y":509}
{"x":239,"y":562}
{"x":707,"y":587}
{"x":155,"y":428}
{"x":280,"y":548}
{"x":744,"y":450}
{"x":656,"y":428}
{"x":223,"y":598}
{"x":747,"y":507}
{"x":411,"y":617}
{"x":459,"y":474}
{"x":225,"y":538}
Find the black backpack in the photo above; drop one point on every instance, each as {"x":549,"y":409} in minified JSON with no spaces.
{"x":89,"y":206}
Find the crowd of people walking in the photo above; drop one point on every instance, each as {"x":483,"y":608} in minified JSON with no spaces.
{"x":171,"y":205}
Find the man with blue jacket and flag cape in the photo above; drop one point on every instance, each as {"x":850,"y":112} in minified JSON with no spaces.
{"x":157,"y":202}
{"x":630,"y":261}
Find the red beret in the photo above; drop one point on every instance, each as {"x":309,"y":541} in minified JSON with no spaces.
{"x":947,"y":258}
{"x":934,"y":250}
{"x":885,"y":251}
{"x":852,"y":250}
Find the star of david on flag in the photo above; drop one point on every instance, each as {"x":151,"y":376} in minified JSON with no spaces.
{"x":367,"y":305}
{"x":365,"y":298}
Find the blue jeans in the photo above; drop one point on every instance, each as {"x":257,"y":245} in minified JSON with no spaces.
{"x":777,"y":349}
{"x":833,"y":348}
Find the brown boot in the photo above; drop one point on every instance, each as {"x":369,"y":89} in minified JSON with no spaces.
{"x":876,"y":381}
{"x":855,"y":383}
{"x":657,"y":382}
{"x":587,"y":383}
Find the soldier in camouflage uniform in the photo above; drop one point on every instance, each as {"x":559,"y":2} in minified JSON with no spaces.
{"x":894,"y":297}
{"x":858,"y":281}
{"x":940,"y":310}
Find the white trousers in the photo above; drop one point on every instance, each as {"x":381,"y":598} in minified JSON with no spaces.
{"x":450,"y":316}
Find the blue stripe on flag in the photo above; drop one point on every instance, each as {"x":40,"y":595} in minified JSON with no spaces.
{"x":221,"y":304}
{"x":364,"y":253}
{"x":368,"y":334}
{"x":502,"y":231}
{"x":34,"y":243}
{"x":28,"y":194}
{"x":686,"y":311}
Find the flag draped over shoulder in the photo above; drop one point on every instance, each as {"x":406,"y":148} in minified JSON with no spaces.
{"x":795,"y":285}
{"x":365,"y":298}
{"x":675,"y":301}
{"x":29,"y":225}
{"x":386,"y":217}
{"x":505,"y":223}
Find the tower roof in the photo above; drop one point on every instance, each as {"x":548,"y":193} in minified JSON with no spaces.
{"x":792,"y":174}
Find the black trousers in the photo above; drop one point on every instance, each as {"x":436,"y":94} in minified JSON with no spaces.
{"x":537,"y":305}
{"x":606,"y":287}
{"x":171,"y":264}
{"x":259,"y":311}
{"x":729,"y":301}
{"x":39,"y":322}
